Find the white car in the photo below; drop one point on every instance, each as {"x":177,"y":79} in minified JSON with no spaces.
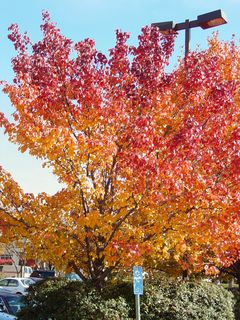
{"x":6,"y":316}
{"x":15,"y":285}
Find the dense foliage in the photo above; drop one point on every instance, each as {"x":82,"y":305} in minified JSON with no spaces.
{"x":176,"y":300}
{"x":149,"y":158}
{"x":61,"y":299}
{"x":162,"y":300}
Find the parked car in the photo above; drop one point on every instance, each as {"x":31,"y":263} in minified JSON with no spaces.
{"x":6,"y":316}
{"x":38,"y":275}
{"x":16,"y":285}
{"x":73,"y":277}
{"x":10,"y":303}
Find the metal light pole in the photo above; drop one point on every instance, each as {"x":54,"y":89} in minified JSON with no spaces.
{"x":205,"y":21}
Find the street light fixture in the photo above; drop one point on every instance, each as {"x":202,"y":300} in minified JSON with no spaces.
{"x":205,"y":21}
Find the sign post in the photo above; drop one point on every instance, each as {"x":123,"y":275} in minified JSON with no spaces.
{"x":137,"y":288}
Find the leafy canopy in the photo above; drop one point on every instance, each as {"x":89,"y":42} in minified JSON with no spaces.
{"x":149,"y":158}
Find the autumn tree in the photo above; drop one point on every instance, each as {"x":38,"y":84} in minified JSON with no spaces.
{"x":149,"y":158}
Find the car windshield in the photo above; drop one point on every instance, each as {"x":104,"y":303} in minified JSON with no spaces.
{"x":27,"y":282}
{"x":15,"y":303}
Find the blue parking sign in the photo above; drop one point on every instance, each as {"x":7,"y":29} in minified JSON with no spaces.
{"x":138,"y":280}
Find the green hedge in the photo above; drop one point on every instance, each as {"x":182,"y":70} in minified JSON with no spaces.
{"x":162,"y":300}
{"x":171,"y":299}
{"x":178,"y":300}
{"x":70,"y":300}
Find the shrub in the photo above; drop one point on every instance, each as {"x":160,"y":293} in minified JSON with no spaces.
{"x":180,"y":300}
{"x":170,"y":299}
{"x":163,"y":299}
{"x":60,"y":299}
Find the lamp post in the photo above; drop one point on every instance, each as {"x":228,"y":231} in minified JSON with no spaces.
{"x":205,"y":21}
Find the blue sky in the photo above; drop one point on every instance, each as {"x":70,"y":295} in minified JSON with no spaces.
{"x":96,"y":19}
